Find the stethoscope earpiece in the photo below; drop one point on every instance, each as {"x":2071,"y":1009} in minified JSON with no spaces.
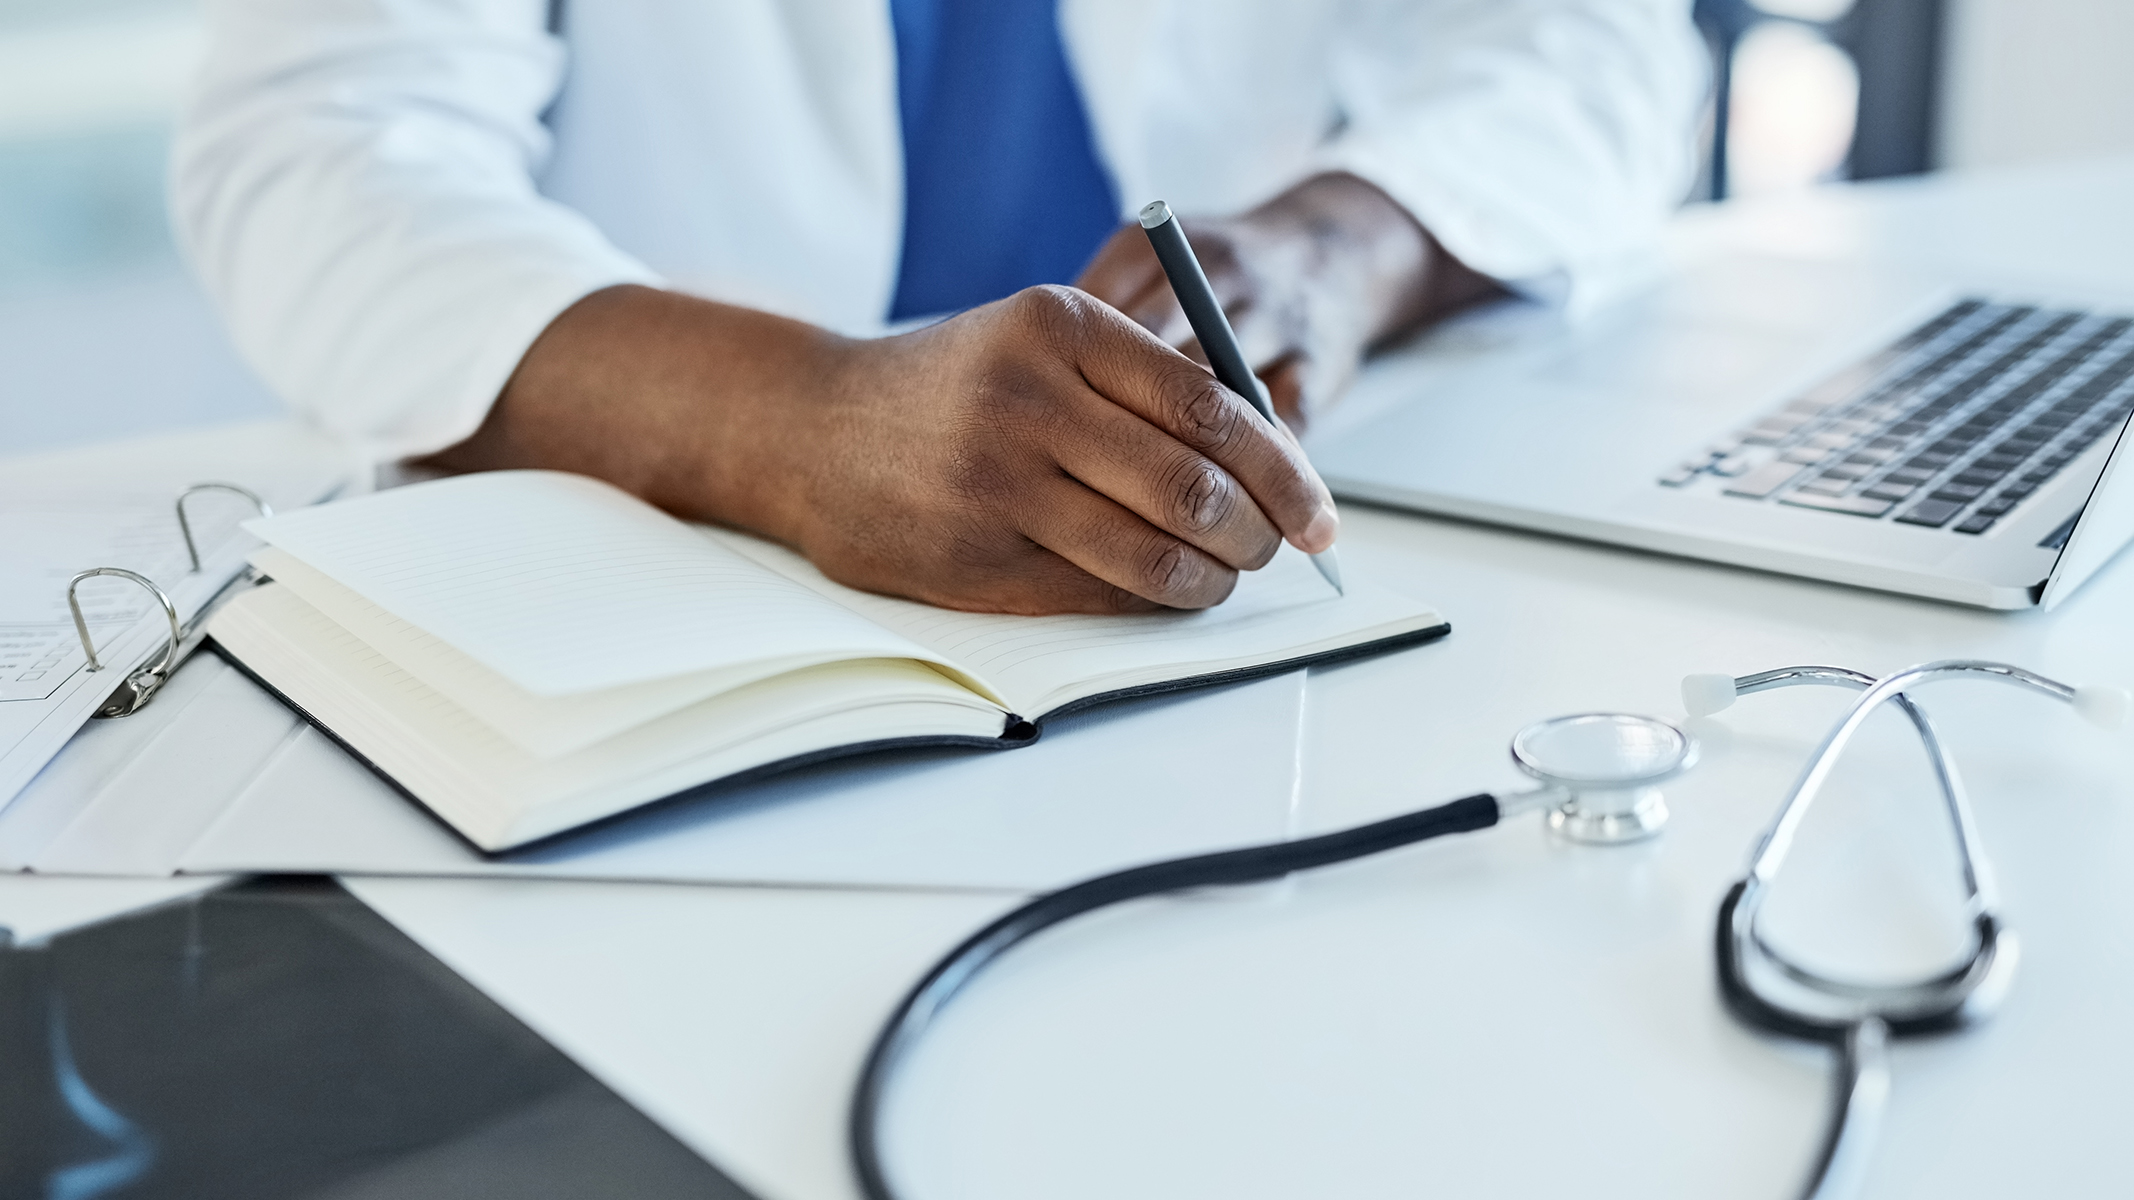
{"x":1703,"y":695}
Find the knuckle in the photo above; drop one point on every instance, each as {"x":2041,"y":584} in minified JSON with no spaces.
{"x":1168,"y":572}
{"x":1202,"y":412}
{"x":1058,"y":314}
{"x":1200,"y":496}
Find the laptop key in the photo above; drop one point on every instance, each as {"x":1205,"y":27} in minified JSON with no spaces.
{"x":1764,"y":480}
{"x":1859,"y":506}
{"x":1826,"y":487}
{"x":1891,"y":492}
{"x":1932,"y":513}
{"x":1979,"y":523}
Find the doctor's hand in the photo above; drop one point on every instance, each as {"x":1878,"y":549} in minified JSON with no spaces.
{"x":1311,"y":281}
{"x":1040,"y":454}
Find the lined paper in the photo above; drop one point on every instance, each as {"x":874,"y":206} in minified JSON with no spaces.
{"x":543,"y":726}
{"x":563,"y":585}
{"x":1282,"y":611}
{"x":497,"y":795}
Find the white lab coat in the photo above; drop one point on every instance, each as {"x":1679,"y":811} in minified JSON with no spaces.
{"x":390,"y":199}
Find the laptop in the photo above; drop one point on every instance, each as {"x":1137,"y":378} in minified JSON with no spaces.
{"x":1846,"y":422}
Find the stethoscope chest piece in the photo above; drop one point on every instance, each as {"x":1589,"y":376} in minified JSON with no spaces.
{"x":1608,"y":767}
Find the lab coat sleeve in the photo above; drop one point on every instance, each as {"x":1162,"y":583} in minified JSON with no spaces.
{"x":1543,"y":142}
{"x":353,"y":184}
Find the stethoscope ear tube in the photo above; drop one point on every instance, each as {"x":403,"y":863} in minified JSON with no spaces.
{"x":1251,"y":864}
{"x":1763,"y":989}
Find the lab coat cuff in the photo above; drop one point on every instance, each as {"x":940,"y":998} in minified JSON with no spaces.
{"x":523,"y":311}
{"x":1490,"y":236}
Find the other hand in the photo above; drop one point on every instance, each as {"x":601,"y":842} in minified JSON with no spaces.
{"x":1311,"y":281}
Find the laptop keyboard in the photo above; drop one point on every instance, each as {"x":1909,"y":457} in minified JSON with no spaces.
{"x":1951,"y":427}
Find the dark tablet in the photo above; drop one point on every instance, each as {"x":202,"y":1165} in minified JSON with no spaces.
{"x":278,"y":1039}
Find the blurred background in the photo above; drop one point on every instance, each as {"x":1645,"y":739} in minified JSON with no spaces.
{"x":1806,"y":92}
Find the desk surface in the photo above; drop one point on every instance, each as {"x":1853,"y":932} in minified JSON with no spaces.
{"x":1497,"y":1014}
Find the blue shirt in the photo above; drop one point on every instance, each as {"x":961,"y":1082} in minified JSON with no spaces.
{"x":1002,"y":184}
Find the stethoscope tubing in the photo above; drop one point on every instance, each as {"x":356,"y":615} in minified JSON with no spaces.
{"x":1250,"y":864}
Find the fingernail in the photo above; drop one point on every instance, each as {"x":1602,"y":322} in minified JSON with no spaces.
{"x":1325,"y":526}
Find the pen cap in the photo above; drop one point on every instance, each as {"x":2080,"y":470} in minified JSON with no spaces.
{"x":1154,"y":213}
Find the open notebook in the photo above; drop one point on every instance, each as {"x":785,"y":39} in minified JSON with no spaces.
{"x":527,"y":651}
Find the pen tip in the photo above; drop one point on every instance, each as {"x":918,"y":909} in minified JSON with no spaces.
{"x":1330,"y":570}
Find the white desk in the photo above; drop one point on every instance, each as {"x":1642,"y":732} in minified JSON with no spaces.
{"x":1491,"y":1015}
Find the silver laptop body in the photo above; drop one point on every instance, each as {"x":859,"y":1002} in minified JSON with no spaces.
{"x":1847,"y":422}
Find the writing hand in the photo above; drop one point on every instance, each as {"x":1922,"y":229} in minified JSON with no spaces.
{"x":1041,"y":454}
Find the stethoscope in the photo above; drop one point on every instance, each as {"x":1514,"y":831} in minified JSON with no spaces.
{"x":1599,"y":775}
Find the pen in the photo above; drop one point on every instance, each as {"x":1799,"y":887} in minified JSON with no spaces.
{"x":1217,"y":339}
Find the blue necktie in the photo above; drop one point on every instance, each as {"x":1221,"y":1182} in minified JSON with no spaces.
{"x":1002,"y":186}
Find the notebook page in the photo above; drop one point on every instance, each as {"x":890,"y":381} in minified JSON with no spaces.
{"x":1282,"y":611}
{"x":562,"y":584}
{"x":544,"y":726}
{"x":496,"y":794}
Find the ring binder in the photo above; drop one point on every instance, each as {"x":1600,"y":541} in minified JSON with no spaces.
{"x":141,"y":686}
{"x":185,"y":527}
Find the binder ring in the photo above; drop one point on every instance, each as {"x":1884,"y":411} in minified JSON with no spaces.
{"x":140,"y":686}
{"x":185,"y":527}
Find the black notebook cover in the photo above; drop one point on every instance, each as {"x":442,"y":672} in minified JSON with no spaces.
{"x":1019,"y":731}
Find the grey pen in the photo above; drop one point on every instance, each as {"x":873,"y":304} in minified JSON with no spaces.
{"x":1217,"y":340}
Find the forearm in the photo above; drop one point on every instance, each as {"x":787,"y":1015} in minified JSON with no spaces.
{"x":688,"y":403}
